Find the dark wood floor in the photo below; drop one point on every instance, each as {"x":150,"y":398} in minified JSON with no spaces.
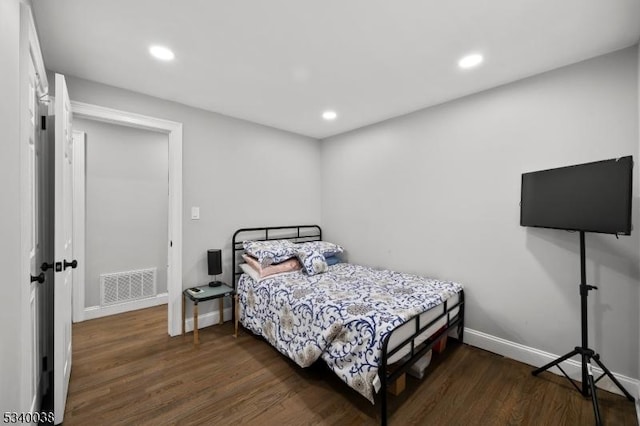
{"x":126,"y":370}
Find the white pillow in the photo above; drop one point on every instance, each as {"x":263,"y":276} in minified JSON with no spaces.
{"x":250,"y":271}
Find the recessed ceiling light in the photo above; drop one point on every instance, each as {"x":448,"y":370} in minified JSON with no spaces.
{"x":162,"y":53}
{"x":470,"y":61}
{"x":329,"y":115}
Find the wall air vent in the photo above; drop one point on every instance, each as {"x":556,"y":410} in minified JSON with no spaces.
{"x":120,"y":287}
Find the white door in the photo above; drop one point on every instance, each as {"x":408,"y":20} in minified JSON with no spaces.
{"x":29,"y":138}
{"x":63,"y":247}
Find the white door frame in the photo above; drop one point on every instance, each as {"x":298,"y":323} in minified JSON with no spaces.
{"x":638,"y":398}
{"x":79,"y":229}
{"x":174,"y":131}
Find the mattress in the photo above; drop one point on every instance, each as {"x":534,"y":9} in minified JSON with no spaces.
{"x":341,"y":316}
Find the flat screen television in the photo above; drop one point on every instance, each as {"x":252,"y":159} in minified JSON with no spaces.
{"x":591,"y":197}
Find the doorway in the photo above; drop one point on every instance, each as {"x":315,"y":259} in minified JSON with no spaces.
{"x":174,"y":208}
{"x":121,"y":188}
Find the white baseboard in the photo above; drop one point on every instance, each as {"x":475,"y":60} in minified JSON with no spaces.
{"x":638,"y":403}
{"x":103,"y":311}
{"x":205,"y":320}
{"x":538,"y":358}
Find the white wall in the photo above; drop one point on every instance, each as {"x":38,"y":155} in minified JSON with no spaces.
{"x":437,"y":192}
{"x":10,"y":207}
{"x":126,"y":202}
{"x":239,"y":173}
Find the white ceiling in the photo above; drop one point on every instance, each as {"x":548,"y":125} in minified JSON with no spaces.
{"x":283,"y":62}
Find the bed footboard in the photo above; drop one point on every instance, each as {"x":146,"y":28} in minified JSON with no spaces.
{"x":453,"y":317}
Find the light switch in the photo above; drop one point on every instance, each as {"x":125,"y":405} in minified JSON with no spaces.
{"x":195,"y":213}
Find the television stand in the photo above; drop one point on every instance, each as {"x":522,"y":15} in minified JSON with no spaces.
{"x":586,"y":354}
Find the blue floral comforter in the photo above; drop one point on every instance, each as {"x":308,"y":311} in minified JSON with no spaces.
{"x":341,"y":316}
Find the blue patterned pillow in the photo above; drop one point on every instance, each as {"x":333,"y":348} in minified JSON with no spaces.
{"x":312,"y":261}
{"x":326,"y":248}
{"x":270,"y":252}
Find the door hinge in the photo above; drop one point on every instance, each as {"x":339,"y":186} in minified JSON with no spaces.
{"x":45,"y":362}
{"x":43,"y":122}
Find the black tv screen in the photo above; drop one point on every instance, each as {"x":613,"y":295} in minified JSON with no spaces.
{"x":591,"y":197}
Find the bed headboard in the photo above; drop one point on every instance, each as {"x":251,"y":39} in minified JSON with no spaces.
{"x":295,"y":233}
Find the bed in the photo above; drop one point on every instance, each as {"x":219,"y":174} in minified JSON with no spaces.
{"x":368,"y":325}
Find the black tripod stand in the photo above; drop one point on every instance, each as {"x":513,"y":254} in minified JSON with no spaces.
{"x":587,"y":354}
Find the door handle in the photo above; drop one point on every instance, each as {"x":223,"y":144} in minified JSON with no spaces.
{"x":46,"y":266}
{"x":38,"y":278}
{"x":73,"y":264}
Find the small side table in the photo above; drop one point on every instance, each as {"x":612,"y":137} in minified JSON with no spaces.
{"x":207,"y":293}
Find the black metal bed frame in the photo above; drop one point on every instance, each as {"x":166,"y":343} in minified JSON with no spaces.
{"x":453,"y":313}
